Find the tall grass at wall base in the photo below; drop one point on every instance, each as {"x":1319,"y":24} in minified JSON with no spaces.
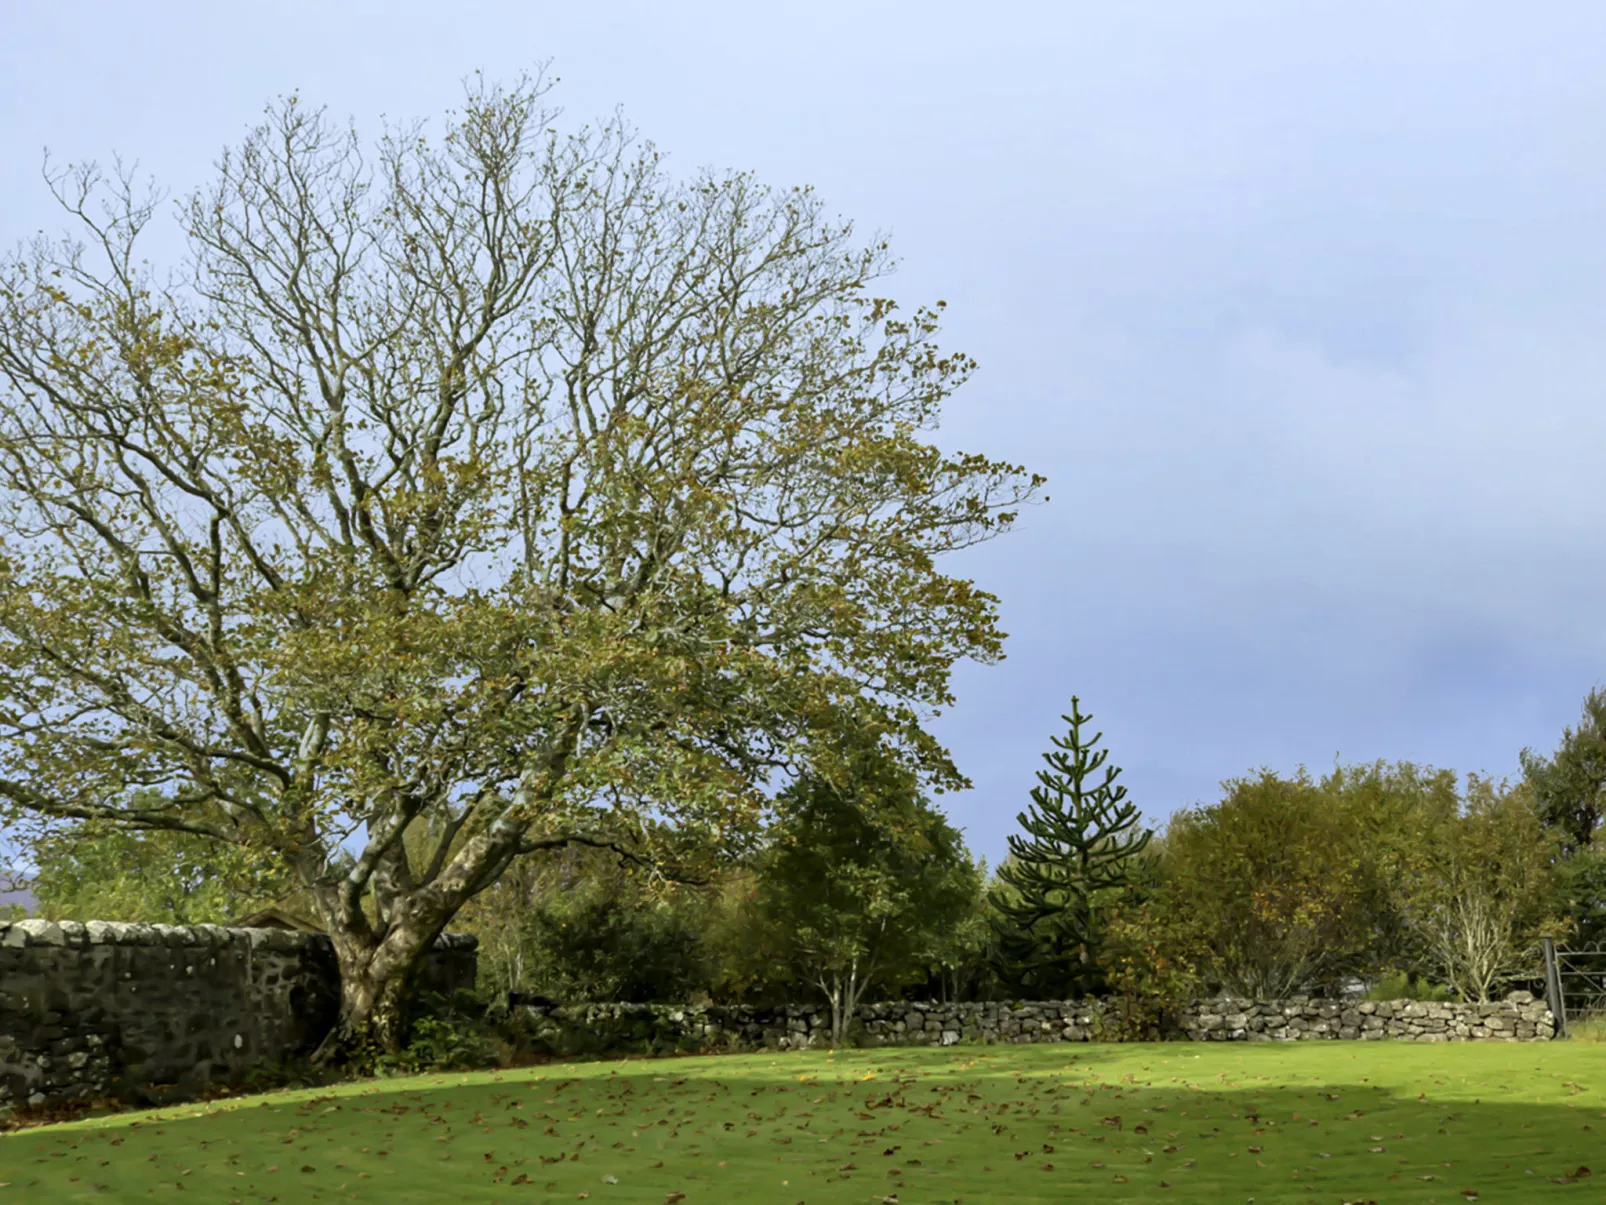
{"x":1591,"y":1030}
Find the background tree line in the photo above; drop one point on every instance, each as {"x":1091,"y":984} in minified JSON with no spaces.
{"x":1373,"y":877}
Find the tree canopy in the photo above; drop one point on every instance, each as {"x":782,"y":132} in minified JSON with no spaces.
{"x":494,"y":486}
{"x":1570,"y":786}
{"x":860,"y":880}
{"x":161,"y":877}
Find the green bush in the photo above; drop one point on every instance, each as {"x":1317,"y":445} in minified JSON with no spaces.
{"x":1400,"y":987}
{"x":575,"y":925}
{"x":1151,"y":964}
{"x":90,"y":872}
{"x":453,"y":1033}
{"x":1583,"y":883}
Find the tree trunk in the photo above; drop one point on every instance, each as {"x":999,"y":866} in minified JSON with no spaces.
{"x":376,"y":982}
{"x":372,"y":1021}
{"x":833,"y":993}
{"x":844,"y":989}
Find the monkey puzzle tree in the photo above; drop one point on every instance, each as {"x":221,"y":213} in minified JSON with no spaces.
{"x":1079,"y":848}
{"x":476,"y":496}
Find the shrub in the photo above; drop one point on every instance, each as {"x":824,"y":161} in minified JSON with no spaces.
{"x":1150,"y":966}
{"x":454,"y":1033}
{"x":1403,"y":987}
{"x":577,"y":925}
{"x":1274,"y":879}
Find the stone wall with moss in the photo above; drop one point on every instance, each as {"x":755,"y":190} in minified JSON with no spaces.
{"x":146,"y":1011}
{"x":657,"y":1028}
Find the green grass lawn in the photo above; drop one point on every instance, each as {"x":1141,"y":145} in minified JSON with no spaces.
{"x":1318,"y":1121}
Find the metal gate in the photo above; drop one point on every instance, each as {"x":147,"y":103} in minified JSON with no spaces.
{"x":1575,"y":983}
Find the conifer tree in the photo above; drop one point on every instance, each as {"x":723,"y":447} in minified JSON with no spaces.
{"x":1080,"y":847}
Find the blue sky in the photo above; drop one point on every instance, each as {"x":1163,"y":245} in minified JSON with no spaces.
{"x":1298,"y":305}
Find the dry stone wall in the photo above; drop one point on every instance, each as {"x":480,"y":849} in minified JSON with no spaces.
{"x":144,"y":1011}
{"x":654,"y":1028}
{"x":1517,"y":1018}
{"x":662,"y":1028}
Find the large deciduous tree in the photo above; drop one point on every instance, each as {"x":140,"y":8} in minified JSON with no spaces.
{"x":1402,"y":812}
{"x":1492,"y":891}
{"x":1276,"y":878}
{"x":493,"y":487}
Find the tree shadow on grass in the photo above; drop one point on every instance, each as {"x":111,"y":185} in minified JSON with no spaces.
{"x":1027,"y":1124}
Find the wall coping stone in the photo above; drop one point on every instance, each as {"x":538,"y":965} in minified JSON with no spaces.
{"x":35,"y":932}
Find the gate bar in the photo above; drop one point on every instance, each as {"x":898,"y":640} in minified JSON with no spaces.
{"x":1554,"y":998}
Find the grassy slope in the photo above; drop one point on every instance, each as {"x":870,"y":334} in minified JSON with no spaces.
{"x":1323,"y":1122}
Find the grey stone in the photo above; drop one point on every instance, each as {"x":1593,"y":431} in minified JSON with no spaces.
{"x":42,"y":932}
